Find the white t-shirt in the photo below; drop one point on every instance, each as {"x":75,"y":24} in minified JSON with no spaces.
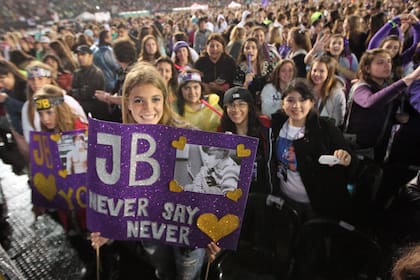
{"x":270,"y":100}
{"x":290,"y":181}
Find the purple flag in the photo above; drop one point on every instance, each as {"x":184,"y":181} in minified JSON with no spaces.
{"x":178,"y":186}
{"x":264,"y":3}
{"x":58,"y":169}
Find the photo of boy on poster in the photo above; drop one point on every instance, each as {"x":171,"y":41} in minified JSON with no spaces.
{"x":211,"y":170}
{"x":73,"y":153}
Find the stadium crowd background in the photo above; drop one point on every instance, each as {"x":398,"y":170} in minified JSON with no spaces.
{"x":35,"y":27}
{"x":21,"y":12}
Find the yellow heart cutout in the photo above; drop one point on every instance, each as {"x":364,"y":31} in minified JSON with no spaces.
{"x":180,"y":143}
{"x":55,"y":137}
{"x":175,"y":187}
{"x":242,"y":152}
{"x":45,"y":186}
{"x":62,"y":173}
{"x":234,"y":195}
{"x":217,"y":229}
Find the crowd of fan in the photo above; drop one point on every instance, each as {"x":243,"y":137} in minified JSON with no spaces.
{"x":336,"y":47}
{"x":30,"y":12}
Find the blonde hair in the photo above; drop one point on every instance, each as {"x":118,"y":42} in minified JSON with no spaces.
{"x":65,"y":117}
{"x":237,"y":33}
{"x":275,"y":36}
{"x":144,"y":73}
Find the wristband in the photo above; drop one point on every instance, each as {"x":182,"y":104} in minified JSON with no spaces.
{"x":393,"y":24}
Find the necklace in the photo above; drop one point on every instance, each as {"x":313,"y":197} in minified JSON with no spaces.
{"x":300,"y":131}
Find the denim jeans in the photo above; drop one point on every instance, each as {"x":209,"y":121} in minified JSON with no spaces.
{"x":171,"y":262}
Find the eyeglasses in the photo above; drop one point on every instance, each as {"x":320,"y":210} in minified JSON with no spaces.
{"x":240,"y":105}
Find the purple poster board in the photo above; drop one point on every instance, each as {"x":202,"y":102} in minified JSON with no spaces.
{"x":178,"y":186}
{"x":58,"y":169}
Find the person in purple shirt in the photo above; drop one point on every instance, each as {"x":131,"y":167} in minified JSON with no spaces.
{"x":404,"y":146}
{"x":371,"y":100}
{"x":414,"y":95}
{"x":413,"y":92}
{"x":390,"y":37}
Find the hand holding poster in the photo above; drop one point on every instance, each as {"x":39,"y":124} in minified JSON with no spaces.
{"x":178,"y":186}
{"x":58,"y":169}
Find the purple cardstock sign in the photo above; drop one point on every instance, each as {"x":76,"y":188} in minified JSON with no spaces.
{"x":177,"y":186}
{"x":58,"y":169}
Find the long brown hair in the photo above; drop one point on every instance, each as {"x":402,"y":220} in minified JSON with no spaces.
{"x":20,"y":85}
{"x":397,"y":67}
{"x":144,"y":56}
{"x":30,"y":92}
{"x":276,"y":72}
{"x":366,"y":61}
{"x":243,"y":59}
{"x":65,"y":117}
{"x":144,"y":73}
{"x":331,"y":80}
{"x":64,"y":53}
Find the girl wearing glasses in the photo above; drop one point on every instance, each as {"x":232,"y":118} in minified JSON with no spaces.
{"x":240,"y":117}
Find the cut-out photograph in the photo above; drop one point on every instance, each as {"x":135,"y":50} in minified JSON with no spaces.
{"x":73,"y":153}
{"x":207,"y":169}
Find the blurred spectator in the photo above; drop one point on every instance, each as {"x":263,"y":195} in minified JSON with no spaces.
{"x":64,"y":53}
{"x":44,"y":47}
{"x":122,"y":31}
{"x":20,"y":59}
{"x":149,"y":49}
{"x":12,"y":93}
{"x":181,"y":36}
{"x":200,"y":36}
{"x":218,"y":68}
{"x":63,"y":77}
{"x":183,"y":59}
{"x":86,"y":81}
{"x":104,"y":59}
{"x":236,"y":39}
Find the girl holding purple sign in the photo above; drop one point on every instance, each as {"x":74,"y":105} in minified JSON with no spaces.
{"x":39,"y":75}
{"x":145,"y":101}
{"x":57,"y":116}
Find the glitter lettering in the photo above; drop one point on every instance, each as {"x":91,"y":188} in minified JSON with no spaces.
{"x":143,"y":157}
{"x":179,"y":213}
{"x":126,"y":207}
{"x":115,"y":142}
{"x":158,"y":231}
